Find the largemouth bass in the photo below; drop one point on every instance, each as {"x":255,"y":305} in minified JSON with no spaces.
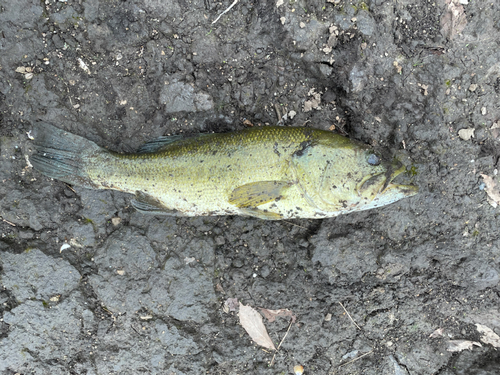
{"x":267,"y":172}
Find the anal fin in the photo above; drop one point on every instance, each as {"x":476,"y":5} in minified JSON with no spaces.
{"x":261,"y":214}
{"x":147,"y":204}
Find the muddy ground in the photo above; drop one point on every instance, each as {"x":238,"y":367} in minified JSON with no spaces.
{"x":142,"y":294}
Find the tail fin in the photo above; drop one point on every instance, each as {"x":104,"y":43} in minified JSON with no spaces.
{"x":62,"y":155}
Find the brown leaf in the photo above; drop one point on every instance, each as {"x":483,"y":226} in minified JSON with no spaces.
{"x":492,"y":190}
{"x":271,"y":315}
{"x":251,"y":321}
{"x":453,"y":21}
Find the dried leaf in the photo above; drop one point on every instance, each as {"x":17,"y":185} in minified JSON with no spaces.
{"x":495,"y":129}
{"x":466,"y":134}
{"x":251,"y":321}
{"x":453,"y":21}
{"x":219,"y":288}
{"x":459,"y":345}
{"x":83,"y":66}
{"x":271,"y":315}
{"x":64,"y":247}
{"x":488,"y":337}
{"x":492,"y":190}
{"x":314,"y":102}
{"x":232,"y":304}
{"x":473,"y":87}
{"x":437,"y":333}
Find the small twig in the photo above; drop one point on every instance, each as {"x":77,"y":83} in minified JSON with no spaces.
{"x":278,"y":113}
{"x":135,"y":330}
{"x":109,"y":312}
{"x":8,"y":222}
{"x":355,"y":359}
{"x":349,"y":315}
{"x":283,"y":339}
{"x":227,"y":10}
{"x":70,"y":188}
{"x":300,"y":226}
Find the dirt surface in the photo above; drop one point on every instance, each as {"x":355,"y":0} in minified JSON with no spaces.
{"x":89,"y":286}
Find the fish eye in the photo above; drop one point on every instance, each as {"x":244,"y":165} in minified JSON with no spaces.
{"x":373,"y":159}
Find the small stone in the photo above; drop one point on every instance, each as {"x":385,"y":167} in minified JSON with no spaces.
{"x":466,"y":134}
{"x":483,"y":111}
{"x":473,"y":87}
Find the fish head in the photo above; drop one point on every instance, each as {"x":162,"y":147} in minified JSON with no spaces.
{"x":375,"y":186}
{"x":345,"y":176}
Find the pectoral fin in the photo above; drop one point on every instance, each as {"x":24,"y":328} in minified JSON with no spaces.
{"x":147,"y":204}
{"x":257,"y":193}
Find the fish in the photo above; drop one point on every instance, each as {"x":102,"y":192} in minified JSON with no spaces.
{"x":269,"y":172}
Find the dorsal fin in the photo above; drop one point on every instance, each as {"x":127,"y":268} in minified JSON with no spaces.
{"x":158,"y":144}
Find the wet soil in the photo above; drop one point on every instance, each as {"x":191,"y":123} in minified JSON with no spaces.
{"x":89,"y":286}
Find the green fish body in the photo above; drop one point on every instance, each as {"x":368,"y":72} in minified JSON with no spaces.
{"x":267,"y":172}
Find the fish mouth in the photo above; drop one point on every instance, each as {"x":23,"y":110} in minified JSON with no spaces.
{"x":382,"y":183}
{"x":389,"y":187}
